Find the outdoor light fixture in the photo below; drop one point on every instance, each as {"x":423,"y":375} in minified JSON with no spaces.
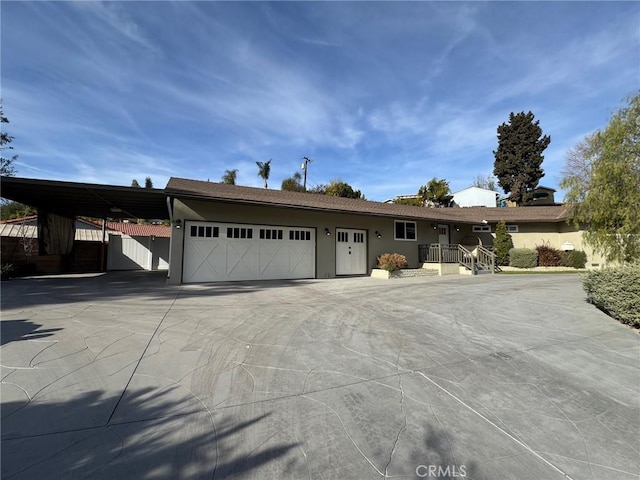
{"x":378,"y":234}
{"x":177,"y":223}
{"x":457,"y":227}
{"x":435,"y":226}
{"x":327,"y":232}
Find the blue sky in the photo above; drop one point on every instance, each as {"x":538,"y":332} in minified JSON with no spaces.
{"x":384,"y":96}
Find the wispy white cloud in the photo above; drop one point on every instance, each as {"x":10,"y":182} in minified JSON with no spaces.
{"x":384,"y":95}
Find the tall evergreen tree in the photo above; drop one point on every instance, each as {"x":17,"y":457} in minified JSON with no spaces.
{"x":502,"y":244}
{"x":135,"y":184}
{"x":148,"y":183}
{"x":518,"y":159}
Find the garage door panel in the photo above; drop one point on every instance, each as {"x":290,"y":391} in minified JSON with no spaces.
{"x":205,"y":260}
{"x":301,"y":259}
{"x":241,"y":259}
{"x":273,"y":258}
{"x":222,"y":252}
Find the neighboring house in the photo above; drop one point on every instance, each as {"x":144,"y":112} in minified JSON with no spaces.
{"x":227,"y":232}
{"x":134,"y":246}
{"x":541,"y":196}
{"x":126,"y":246}
{"x":475,"y":197}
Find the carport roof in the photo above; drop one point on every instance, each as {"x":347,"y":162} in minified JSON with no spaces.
{"x":86,"y":199}
{"x":197,"y":189}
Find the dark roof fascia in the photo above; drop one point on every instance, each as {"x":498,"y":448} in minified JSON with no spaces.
{"x":263,"y":203}
{"x":181,"y":194}
{"x":86,"y":199}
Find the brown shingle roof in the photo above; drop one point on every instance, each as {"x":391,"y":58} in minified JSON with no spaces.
{"x":197,"y":189}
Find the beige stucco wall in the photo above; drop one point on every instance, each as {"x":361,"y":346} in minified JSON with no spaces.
{"x":186,"y":210}
{"x":530,"y":235}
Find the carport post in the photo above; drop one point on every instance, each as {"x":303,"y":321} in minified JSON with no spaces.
{"x":102,"y":249}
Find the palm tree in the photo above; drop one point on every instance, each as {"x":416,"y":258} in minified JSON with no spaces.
{"x":264,"y":169}
{"x":229,"y":176}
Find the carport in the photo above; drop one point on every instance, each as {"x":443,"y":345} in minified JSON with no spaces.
{"x":59,"y":203}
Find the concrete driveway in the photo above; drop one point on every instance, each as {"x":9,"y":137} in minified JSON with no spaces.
{"x":489,"y":377}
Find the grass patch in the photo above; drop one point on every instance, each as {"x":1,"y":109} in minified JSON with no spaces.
{"x":541,"y":272}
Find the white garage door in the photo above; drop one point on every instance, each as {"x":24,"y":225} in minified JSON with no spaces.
{"x":216,"y":252}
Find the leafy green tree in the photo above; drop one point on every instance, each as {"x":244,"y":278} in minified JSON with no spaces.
{"x":338,"y":188}
{"x":502,"y":244}
{"x":411,"y":201}
{"x":436,"y":191}
{"x":11,"y":210}
{"x":7,"y":168}
{"x":135,"y":184}
{"x":230,"y":176}
{"x":518,"y":159}
{"x":320,"y":188}
{"x":293,"y":183}
{"x":264,"y":170}
{"x":605,"y":193}
{"x":148,"y":183}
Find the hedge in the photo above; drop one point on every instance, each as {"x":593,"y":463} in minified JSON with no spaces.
{"x":615,"y":291}
{"x":523,"y":258}
{"x":573,"y":258}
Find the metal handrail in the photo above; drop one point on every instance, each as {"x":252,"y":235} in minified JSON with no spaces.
{"x":466,"y":259}
{"x":455,"y":253}
{"x":486,"y":257}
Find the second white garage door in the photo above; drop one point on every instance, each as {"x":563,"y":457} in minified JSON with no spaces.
{"x":216,"y":252}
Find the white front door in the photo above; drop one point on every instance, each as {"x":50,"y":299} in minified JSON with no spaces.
{"x":443,"y":234}
{"x":351,"y":252}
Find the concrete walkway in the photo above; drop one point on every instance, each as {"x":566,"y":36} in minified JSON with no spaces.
{"x":490,"y":377}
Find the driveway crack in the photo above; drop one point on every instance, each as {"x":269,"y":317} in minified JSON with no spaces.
{"x":404,"y":413}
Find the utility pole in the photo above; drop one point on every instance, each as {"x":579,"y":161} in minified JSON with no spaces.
{"x":304,"y":167}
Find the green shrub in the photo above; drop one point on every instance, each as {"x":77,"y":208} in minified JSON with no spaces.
{"x":616,"y":291}
{"x":523,"y":258}
{"x":6,"y":269}
{"x":392,"y":262}
{"x":502,"y":244}
{"x":573,"y":259}
{"x":548,"y":256}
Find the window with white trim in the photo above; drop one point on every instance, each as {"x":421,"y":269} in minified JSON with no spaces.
{"x":481,"y":228}
{"x":512,"y":228}
{"x":405,"y":230}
